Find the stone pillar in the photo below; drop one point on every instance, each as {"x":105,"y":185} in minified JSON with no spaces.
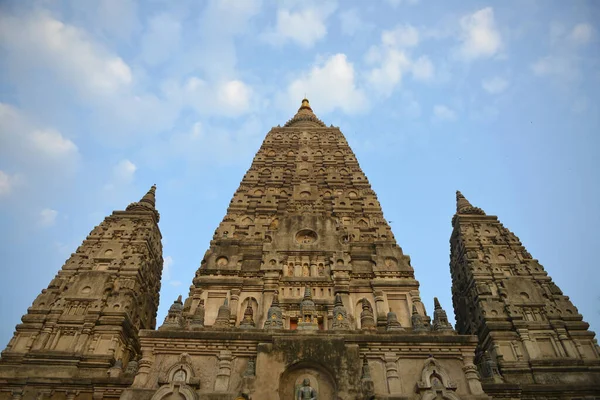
{"x":567,"y":344}
{"x":380,"y":309}
{"x":98,"y":395}
{"x":145,"y":365}
{"x":71,"y":394}
{"x":42,"y":339}
{"x":391,"y":373}
{"x":17,"y":394}
{"x":530,"y":347}
{"x":222,"y":381}
{"x":233,"y":305}
{"x":471,"y":374}
{"x":44,"y":394}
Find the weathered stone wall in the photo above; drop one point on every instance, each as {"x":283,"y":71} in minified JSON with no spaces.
{"x":399,"y":365}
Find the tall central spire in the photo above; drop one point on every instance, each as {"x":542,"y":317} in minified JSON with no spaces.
{"x":305,"y":117}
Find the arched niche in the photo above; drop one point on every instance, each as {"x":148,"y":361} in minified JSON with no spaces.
{"x":358,"y":309}
{"x":435,"y":382}
{"x":319,"y":376}
{"x":178,"y":382}
{"x":255,"y":310}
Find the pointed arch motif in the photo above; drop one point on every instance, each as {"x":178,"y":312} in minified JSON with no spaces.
{"x":435,"y":382}
{"x":179,"y":380}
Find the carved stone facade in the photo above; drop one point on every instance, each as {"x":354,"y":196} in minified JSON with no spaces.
{"x":532,"y":340}
{"x":302,"y":292}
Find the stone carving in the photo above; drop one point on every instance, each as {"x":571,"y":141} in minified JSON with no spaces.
{"x":274,"y":314}
{"x":308,"y":312}
{"x":435,"y":382}
{"x":417,"y":321}
{"x":489,"y":368}
{"x":306,"y":236}
{"x":306,"y":392}
{"x":248,"y":320}
{"x":223,"y":316}
{"x":392,"y":322}
{"x":368,"y":387}
{"x":174,"y":318}
{"x":340,"y":316}
{"x":179,"y":381}
{"x":367,"y":320}
{"x":440,"y":319}
{"x":197,"y":320}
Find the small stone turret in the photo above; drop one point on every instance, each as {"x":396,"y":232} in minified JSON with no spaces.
{"x":440,"y":319}
{"x":197,"y":320}
{"x":308,"y":320}
{"x":340,"y":316}
{"x":223,"y":316}
{"x":416,"y":320}
{"x":367,"y":320}
{"x":248,"y":320}
{"x":367,"y":383}
{"x":274,"y":315}
{"x":174,"y":318}
{"x":392,"y":322}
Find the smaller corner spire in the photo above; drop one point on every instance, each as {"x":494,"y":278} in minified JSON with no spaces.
{"x":463,"y":206}
{"x":146,"y":203}
{"x":150,"y":197}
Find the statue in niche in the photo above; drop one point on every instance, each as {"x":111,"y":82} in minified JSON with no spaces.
{"x":321,"y":270}
{"x":306,"y":392}
{"x":305,"y":270}
{"x":179,"y":376}
{"x":290,"y":270}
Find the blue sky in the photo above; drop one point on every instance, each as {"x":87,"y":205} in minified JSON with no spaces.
{"x":100,"y":99}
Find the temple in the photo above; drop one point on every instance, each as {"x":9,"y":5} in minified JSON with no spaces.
{"x":303,"y":293}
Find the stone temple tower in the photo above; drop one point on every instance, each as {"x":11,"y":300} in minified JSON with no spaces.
{"x":532,"y":339}
{"x":302,"y":294}
{"x":84,"y":326}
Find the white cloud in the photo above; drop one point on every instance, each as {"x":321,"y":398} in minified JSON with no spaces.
{"x":331,"y":84}
{"x":7,"y":183}
{"x":557,"y":66}
{"x":391,"y":60}
{"x":124,"y":171}
{"x":161,"y":39}
{"x":35,"y":149}
{"x":388,"y":74}
{"x":479,"y":36}
{"x":443,"y":113}
{"x":52,"y":144}
{"x":565,"y":59}
{"x":41,"y":41}
{"x":401,"y":36}
{"x":494,"y":85}
{"x":582,"y":33}
{"x":229,"y":98}
{"x":167,"y":264}
{"x":351,"y":22}
{"x":175,"y":283}
{"x":235,"y":96}
{"x":47,"y":217}
{"x":422,"y":69}
{"x":304,"y":27}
